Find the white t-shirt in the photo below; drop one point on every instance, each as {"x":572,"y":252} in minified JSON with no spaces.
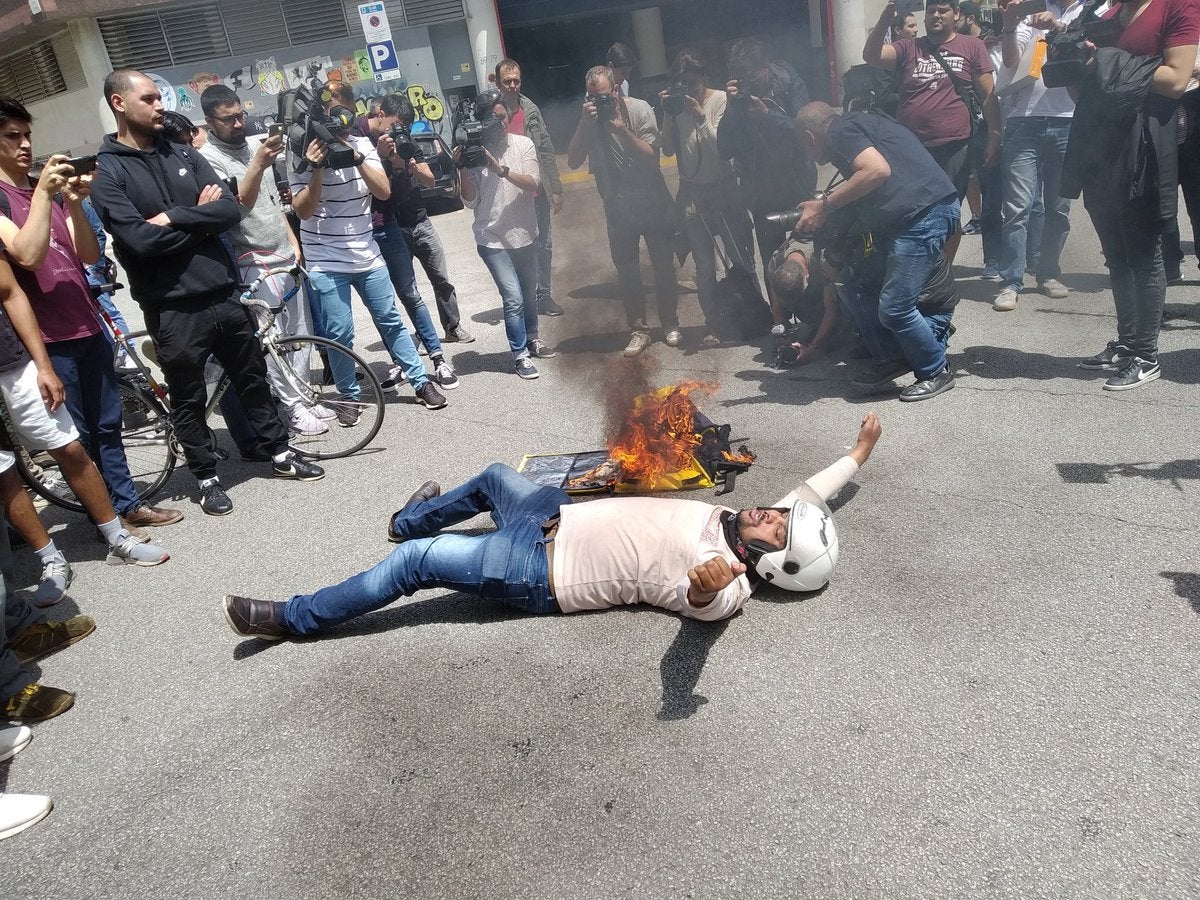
{"x":337,"y":237}
{"x":505,"y":216}
{"x":1035,"y":99}
{"x":624,"y":550}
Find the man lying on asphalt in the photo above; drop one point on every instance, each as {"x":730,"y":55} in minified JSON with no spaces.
{"x":548,"y":555}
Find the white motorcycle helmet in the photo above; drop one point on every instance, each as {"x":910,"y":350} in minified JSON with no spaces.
{"x":810,"y":554}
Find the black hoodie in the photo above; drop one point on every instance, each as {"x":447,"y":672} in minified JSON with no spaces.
{"x":181,"y":261}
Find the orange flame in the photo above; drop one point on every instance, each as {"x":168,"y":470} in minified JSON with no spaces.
{"x":742,"y":457}
{"x":658,"y":435}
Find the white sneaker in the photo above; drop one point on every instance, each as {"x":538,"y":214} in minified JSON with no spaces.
{"x":321,"y":411}
{"x":1006,"y":301}
{"x":672,"y":338}
{"x":56,"y":578}
{"x":304,"y":422}
{"x":13,"y":740}
{"x":1053,"y":288}
{"x":19,"y":811}
{"x":638,"y":341}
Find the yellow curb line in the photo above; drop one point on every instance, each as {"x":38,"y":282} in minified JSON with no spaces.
{"x":582,"y":176}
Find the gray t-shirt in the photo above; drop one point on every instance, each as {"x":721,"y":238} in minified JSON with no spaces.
{"x":263,"y":228}
{"x":619,"y":171}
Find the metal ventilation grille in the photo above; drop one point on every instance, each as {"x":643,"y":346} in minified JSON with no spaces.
{"x":135,"y":42}
{"x":253,"y":26}
{"x":429,"y":12}
{"x":68,"y":62}
{"x":313,"y":21}
{"x":32,"y":74}
{"x":195,"y":34}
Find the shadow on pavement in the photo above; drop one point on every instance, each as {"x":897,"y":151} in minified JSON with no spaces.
{"x":1187,"y":586}
{"x":681,"y":667}
{"x":1100,"y":473}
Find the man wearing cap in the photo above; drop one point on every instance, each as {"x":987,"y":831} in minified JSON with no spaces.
{"x":548,"y":555}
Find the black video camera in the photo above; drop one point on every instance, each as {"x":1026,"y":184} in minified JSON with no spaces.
{"x":675,"y":101}
{"x":406,"y":147}
{"x":1066,"y":58}
{"x":606,"y":107}
{"x":469,"y":138}
{"x":307,"y":121}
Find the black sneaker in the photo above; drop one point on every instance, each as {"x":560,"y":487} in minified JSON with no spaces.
{"x":430,"y":397}
{"x":1134,"y":373}
{"x":458,"y":335}
{"x":214,"y":501}
{"x":348,"y":412}
{"x":547,"y":307}
{"x":930,"y":387}
{"x":255,"y":618}
{"x":526,"y":369}
{"x":539,"y":349}
{"x":876,"y":374}
{"x":1111,"y":359}
{"x":293,"y":466}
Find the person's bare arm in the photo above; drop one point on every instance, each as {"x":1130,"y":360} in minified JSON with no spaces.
{"x":304,"y":202}
{"x":28,"y":244}
{"x":377,"y":180}
{"x":877,"y":52}
{"x":870,"y":171}
{"x":422,"y":172}
{"x":984,"y":84}
{"x":632,"y":141}
{"x":24,"y":323}
{"x":262,"y":160}
{"x":577,"y":150}
{"x":1171,"y":78}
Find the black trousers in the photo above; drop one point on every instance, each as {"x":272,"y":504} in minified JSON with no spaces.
{"x":426,"y":246}
{"x":186,"y":333}
{"x":631,"y":220}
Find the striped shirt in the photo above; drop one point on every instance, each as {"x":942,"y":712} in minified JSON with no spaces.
{"x":337,"y":237}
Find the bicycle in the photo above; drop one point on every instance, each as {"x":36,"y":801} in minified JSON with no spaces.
{"x":151,"y":445}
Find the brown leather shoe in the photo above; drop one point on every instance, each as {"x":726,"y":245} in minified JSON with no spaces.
{"x":147,"y":516}
{"x":255,"y":618}
{"x":43,"y":638}
{"x":427,"y":491}
{"x":36,"y":703}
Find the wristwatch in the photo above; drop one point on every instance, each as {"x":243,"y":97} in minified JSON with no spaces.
{"x":504,"y":171}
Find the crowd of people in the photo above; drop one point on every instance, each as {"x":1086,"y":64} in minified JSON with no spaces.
{"x":864,"y":265}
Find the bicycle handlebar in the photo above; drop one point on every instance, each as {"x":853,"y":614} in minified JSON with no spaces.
{"x":248,"y":298}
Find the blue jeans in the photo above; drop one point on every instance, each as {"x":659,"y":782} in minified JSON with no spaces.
{"x":1033,"y":152}
{"x":911,"y":258}
{"x":85,"y":366}
{"x":515,"y":274}
{"x":508,"y":565}
{"x":545,"y":245}
{"x":331,"y":307}
{"x":394,"y":250}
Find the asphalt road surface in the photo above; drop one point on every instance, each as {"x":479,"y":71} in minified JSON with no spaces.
{"x":996,"y":696}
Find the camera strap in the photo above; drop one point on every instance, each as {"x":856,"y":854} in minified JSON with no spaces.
{"x":966,"y":96}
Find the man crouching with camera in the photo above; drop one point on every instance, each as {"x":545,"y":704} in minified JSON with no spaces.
{"x":501,"y":177}
{"x":911,"y":208}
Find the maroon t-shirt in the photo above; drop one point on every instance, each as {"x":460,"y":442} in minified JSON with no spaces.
{"x":1162,"y":24}
{"x":929,"y":105}
{"x":58,"y":290}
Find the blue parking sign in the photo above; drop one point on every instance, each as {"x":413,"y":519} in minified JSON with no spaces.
{"x":383,"y":57}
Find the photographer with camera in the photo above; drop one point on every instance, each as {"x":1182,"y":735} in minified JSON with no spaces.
{"x":909,"y":205}
{"x":618,"y":137}
{"x":1037,"y":124}
{"x":332,"y":195}
{"x":526,"y":119}
{"x":708,"y":203}
{"x":946,"y":96}
{"x":1122,"y":155}
{"x":756,"y":132}
{"x":500,"y":178}
{"x":399,"y":155}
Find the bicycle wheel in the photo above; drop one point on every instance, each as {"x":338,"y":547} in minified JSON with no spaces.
{"x":349,"y":419}
{"x":146,"y":436}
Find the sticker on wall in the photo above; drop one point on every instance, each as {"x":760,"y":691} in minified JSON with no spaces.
{"x":185,"y":101}
{"x":238,"y":79}
{"x":349,"y":68}
{"x":312,"y":71}
{"x":201,"y":80}
{"x":269,"y":77}
{"x":364,"y":65}
{"x":164,"y":88}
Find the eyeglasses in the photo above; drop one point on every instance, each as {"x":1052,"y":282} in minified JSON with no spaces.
{"x":230,"y":120}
